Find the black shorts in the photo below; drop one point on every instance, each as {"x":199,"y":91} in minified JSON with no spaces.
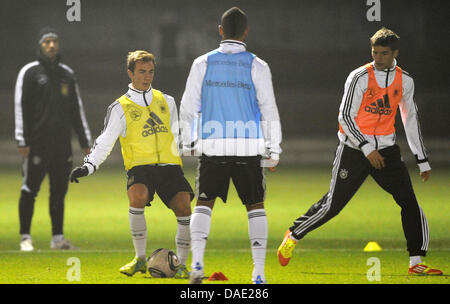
{"x":166,"y":181}
{"x":214,"y":173}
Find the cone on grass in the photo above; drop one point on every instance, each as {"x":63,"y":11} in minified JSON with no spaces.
{"x":217,"y":276}
{"x":372,"y":246}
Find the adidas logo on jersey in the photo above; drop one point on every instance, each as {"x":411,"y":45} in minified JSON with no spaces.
{"x":381,"y":106}
{"x":153,"y":125}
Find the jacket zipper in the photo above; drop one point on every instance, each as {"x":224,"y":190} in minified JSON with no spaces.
{"x":379,"y":115}
{"x":156,"y":135}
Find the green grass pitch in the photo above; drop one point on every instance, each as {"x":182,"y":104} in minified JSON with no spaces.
{"x":96,"y":220}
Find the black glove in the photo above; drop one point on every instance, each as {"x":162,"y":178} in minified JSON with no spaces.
{"x":78,"y":172}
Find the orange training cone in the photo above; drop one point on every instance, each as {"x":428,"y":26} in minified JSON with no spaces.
{"x":217,"y":276}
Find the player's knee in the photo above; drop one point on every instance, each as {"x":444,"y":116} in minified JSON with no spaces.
{"x":209,"y":204}
{"x":333,"y":211}
{"x":406,"y":200}
{"x":254,"y":206}
{"x":28,"y":195}
{"x":182,"y":210}
{"x":138,"y":196}
{"x":58,"y":196}
{"x":180,"y":204}
{"x":138,"y":201}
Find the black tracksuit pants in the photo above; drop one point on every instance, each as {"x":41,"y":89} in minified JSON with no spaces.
{"x":57,"y":163}
{"x":350,"y":169}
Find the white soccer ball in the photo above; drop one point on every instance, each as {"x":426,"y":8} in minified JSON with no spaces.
{"x":163,"y":263}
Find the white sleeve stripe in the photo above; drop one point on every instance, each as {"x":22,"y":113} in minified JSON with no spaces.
{"x":66,"y":67}
{"x":87,"y":132}
{"x":422,"y":146}
{"x":108,"y":115}
{"x":347,"y":107}
{"x":103,"y":145}
{"x":262,"y":80}
{"x":174,"y":119}
{"x":18,"y":102}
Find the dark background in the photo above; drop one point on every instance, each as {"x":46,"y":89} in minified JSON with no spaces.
{"x":311,"y":47}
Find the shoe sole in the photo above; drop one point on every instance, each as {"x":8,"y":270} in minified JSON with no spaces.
{"x":197,"y":280}
{"x":27,"y":250}
{"x":181,"y":277}
{"x":283,"y":261}
{"x":424,"y":274}
{"x":130,"y":275}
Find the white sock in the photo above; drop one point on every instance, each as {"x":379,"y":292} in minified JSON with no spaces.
{"x":292,"y":237}
{"x":138,"y":228}
{"x":58,"y":237}
{"x":414,"y":260}
{"x":25,"y":236}
{"x":257,"y":232}
{"x":200,"y":226}
{"x":183,"y":238}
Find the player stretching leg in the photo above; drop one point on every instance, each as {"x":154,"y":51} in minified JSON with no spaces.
{"x":146,"y":121}
{"x":373,"y":93}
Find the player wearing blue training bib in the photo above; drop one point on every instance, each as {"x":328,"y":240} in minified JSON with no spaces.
{"x":229,"y":118}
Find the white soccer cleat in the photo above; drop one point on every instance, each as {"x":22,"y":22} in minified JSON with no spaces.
{"x":26,"y":245}
{"x":62,"y":245}
{"x":196,"y":276}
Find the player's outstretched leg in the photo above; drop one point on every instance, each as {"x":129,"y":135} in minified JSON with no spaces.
{"x":138,"y":196}
{"x":180,"y":204}
{"x":344,"y":184}
{"x":183,"y":244}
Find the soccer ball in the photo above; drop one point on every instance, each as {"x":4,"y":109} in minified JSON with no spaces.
{"x":163,"y":263}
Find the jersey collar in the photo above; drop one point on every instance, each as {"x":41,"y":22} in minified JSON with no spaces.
{"x":143,"y":98}
{"x":385,"y":70}
{"x":232,"y":46}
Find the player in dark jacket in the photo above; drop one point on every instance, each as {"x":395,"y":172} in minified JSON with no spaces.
{"x":47,"y":106}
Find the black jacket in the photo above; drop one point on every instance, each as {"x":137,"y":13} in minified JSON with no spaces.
{"x":48,"y":105}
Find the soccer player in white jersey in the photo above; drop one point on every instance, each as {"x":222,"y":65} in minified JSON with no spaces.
{"x":146,"y":121}
{"x":230,"y":119}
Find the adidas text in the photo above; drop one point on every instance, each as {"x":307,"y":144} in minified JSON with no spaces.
{"x":154,"y":130}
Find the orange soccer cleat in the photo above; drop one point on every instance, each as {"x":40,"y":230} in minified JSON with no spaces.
{"x":286,"y":248}
{"x":422,"y":269}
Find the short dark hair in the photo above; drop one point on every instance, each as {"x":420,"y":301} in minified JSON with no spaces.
{"x":234,"y":23}
{"x":385,"y":37}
